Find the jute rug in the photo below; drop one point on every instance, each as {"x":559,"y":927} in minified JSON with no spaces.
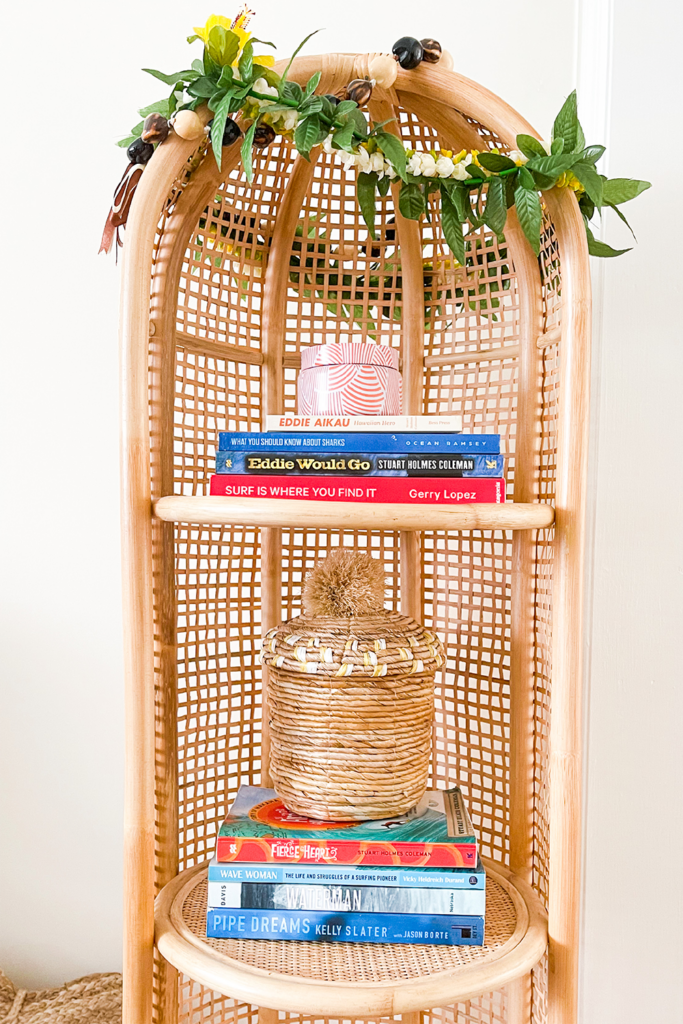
{"x":95,"y":999}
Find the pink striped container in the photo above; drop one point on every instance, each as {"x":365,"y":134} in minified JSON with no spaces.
{"x":349,"y":379}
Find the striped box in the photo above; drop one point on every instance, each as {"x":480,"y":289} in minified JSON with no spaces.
{"x":349,"y":379}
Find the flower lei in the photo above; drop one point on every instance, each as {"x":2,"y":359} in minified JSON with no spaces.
{"x":474,"y":188}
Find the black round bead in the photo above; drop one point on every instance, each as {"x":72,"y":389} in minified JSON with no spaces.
{"x":231,"y":132}
{"x":264,"y":135}
{"x":334,"y":100}
{"x":408,"y":52}
{"x":140,"y":152}
{"x":431,"y":51}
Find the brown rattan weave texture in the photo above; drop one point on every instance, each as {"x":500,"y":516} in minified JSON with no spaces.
{"x":241,"y":277}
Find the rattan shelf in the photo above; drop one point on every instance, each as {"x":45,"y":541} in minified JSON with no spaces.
{"x":352,"y":979}
{"x":353,"y":516}
{"x":224,"y":284}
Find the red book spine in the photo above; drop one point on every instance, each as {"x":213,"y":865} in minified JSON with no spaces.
{"x":270,"y":849}
{"x":394,"y":490}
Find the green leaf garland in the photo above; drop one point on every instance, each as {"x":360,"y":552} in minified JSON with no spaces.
{"x":475,"y":189}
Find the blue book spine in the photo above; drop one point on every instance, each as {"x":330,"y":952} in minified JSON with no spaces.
{"x":342,"y":874}
{"x":270,"y":462}
{"x":322,"y":926}
{"x":351,"y":442}
{"x":358,"y":899}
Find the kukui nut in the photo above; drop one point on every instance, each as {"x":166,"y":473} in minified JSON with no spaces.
{"x":431,"y":51}
{"x":155,"y":129}
{"x":264,"y":135}
{"x":383,"y":69}
{"x":359,"y":90}
{"x":188,"y":125}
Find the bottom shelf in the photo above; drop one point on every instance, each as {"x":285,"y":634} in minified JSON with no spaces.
{"x":352,"y":979}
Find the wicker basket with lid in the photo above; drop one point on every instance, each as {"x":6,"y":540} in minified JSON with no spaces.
{"x":351,"y":701}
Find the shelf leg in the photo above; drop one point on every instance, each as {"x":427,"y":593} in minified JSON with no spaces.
{"x":168,"y":991}
{"x":519,"y":1001}
{"x":411,"y":582}
{"x":266,"y":1016}
{"x":271,"y":615}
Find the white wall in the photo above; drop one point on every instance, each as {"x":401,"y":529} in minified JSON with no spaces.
{"x":632,"y":953}
{"x":61,"y":744}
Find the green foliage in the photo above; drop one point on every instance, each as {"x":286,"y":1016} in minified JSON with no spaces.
{"x":622,"y":190}
{"x":218,"y":127}
{"x":246,"y":62}
{"x":496,"y":162}
{"x":307,"y":135}
{"x":530,"y":146}
{"x":411,"y":201}
{"x":452,"y":227}
{"x":393,"y":150}
{"x":291,"y":59}
{"x":180,"y":76}
{"x":224,"y":80}
{"x":496,"y":212}
{"x":528,"y":208}
{"x":312,"y":84}
{"x":222,"y":45}
{"x":590,"y":179}
{"x":246,"y":152}
{"x":365,"y":192}
{"x":598,"y":248}
{"x":567,"y":127}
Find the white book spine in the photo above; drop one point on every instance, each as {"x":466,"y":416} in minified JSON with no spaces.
{"x":225,"y":894}
{"x":381,"y":424}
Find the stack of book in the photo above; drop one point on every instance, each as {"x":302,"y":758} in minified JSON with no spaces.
{"x":397,"y":459}
{"x":416,"y":878}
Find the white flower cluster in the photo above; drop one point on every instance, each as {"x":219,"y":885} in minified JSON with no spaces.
{"x":283,"y":120}
{"x":518,"y":157}
{"x":439,"y":165}
{"x":363,"y":159}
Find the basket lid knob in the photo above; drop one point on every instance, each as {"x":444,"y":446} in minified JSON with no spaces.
{"x":344,"y":585}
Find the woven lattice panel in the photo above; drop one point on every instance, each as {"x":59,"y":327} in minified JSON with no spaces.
{"x":355,"y":961}
{"x":341,"y":286}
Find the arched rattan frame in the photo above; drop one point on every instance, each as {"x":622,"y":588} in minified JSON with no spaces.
{"x":174,"y":191}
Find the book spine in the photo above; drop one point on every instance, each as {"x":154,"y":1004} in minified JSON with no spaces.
{"x":363,"y":464}
{"x":312,"y":874}
{"x":331,"y":898}
{"x":402,"y":490}
{"x":319,"y":926}
{"x":443,"y":443}
{"x":308,"y":851}
{"x":407,"y":424}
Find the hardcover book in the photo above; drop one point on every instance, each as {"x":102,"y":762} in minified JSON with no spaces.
{"x":436,"y":423}
{"x":275,"y":463}
{"x":343,"y":874}
{"x":367,"y":899}
{"x":359,"y":442}
{"x":320,"y":926}
{"x":383,"y":490}
{"x":436,"y":833}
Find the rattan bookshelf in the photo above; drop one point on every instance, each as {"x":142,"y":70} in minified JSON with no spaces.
{"x":222,"y":284}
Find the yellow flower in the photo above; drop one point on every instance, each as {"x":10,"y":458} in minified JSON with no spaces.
{"x":213,"y":21}
{"x":567,"y":180}
{"x":238,"y":28}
